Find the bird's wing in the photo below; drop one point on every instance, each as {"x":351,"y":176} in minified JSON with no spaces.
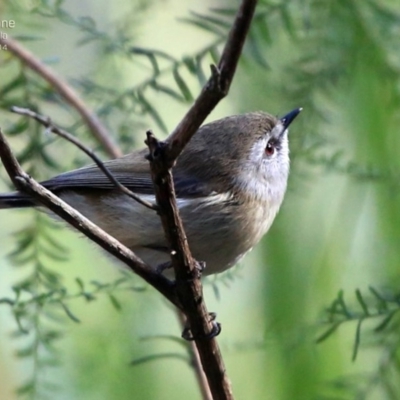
{"x":94,"y":178}
{"x":130,"y":173}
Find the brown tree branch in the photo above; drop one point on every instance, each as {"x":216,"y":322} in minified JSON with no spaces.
{"x":47,"y":123}
{"x":186,"y":294}
{"x":195,"y":361}
{"x":26,"y":184}
{"x":98,"y":130}
{"x":162,"y":157}
{"x":217,"y":86}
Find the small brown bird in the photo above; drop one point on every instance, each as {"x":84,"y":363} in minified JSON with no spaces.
{"x":230,"y":181}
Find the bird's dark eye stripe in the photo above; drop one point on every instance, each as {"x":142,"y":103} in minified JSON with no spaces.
{"x":274,"y":142}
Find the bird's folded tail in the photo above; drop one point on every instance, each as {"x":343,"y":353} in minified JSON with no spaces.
{"x":15,"y":200}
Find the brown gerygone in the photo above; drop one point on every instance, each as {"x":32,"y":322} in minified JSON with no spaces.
{"x":230,"y":181}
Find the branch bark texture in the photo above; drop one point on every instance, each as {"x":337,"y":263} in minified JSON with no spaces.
{"x":23,"y":182}
{"x":162,"y":158}
{"x":187,"y":292}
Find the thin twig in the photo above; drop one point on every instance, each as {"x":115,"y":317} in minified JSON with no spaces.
{"x":26,"y":184}
{"x":98,"y":130}
{"x":162,"y":158}
{"x":47,"y":123}
{"x":195,"y":361}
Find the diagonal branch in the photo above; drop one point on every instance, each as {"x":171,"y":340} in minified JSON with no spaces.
{"x":26,"y":184}
{"x":186,"y":293}
{"x":47,"y":123}
{"x":195,"y":361}
{"x":98,"y":130}
{"x":217,"y":86}
{"x":162,"y":157}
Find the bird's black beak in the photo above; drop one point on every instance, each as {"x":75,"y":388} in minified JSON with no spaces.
{"x":288,"y":118}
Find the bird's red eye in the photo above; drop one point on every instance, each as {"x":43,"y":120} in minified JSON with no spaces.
{"x":269,"y":149}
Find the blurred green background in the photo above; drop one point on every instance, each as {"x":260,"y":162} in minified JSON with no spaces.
{"x":339,"y":227}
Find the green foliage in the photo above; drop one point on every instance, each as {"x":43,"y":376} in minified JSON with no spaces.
{"x":339,"y":61}
{"x":40,"y":307}
{"x":381,"y":309}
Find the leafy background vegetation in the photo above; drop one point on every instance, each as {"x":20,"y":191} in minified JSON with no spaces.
{"x":312,"y":312}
